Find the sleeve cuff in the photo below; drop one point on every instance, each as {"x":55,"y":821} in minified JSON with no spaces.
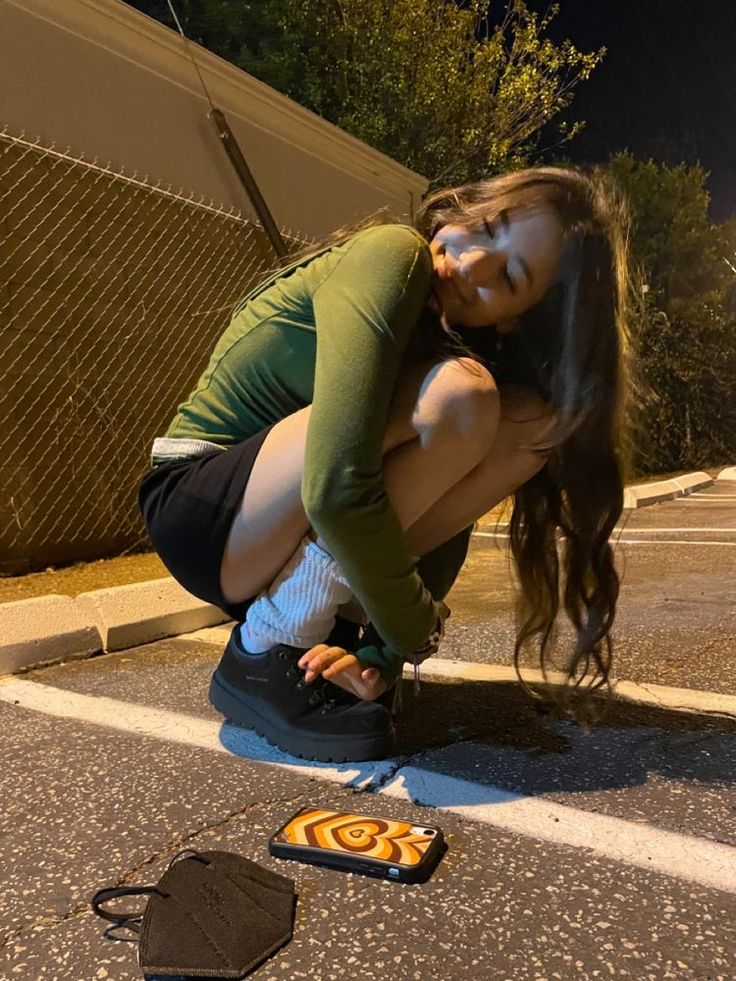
{"x":388,"y":662}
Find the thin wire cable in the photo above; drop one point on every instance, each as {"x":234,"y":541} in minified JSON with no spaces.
{"x":190,"y":52}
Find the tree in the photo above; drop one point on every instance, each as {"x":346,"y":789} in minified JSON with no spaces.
{"x":430,"y":83}
{"x":685,"y":320}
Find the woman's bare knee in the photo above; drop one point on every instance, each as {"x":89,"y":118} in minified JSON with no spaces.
{"x":435,"y":396}
{"x":457,"y":398}
{"x":509,"y":463}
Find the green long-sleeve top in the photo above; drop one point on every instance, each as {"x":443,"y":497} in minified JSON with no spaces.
{"x":331,"y":333}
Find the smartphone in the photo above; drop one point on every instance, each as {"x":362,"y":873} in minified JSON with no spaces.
{"x":361,"y":843}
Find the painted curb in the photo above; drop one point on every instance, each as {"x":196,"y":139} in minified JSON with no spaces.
{"x":44,"y":629}
{"x":146,"y":611}
{"x":639,"y":495}
{"x":47,"y":629}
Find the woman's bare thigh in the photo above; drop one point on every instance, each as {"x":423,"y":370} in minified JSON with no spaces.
{"x":271,"y":520}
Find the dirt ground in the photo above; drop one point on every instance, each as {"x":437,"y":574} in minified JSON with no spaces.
{"x":83,"y":577}
{"x":102,"y":573}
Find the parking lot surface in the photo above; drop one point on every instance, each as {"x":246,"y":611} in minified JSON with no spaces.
{"x":573,"y":852}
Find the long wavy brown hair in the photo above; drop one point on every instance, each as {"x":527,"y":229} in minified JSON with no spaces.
{"x":572,"y":349}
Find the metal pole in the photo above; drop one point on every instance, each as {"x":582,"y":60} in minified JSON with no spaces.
{"x":246,"y":179}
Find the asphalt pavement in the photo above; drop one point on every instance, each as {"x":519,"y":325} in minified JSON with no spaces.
{"x":573,"y":852}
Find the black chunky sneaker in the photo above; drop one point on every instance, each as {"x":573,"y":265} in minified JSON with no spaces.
{"x":318,"y":721}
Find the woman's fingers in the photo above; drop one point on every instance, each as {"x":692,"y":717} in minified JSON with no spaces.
{"x":372,"y":683}
{"x":350,"y":674}
{"x":317,"y":660}
{"x":317,"y":654}
{"x":365,"y":683}
{"x":339,"y":666}
{"x":312,"y":652}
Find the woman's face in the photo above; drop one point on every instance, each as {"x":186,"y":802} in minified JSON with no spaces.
{"x":489,"y":274}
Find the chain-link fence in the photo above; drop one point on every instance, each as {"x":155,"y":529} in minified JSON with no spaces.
{"x":112,"y":294}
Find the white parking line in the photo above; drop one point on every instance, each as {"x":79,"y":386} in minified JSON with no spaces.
{"x":621,"y":541}
{"x":683,"y":856}
{"x":670,"y":531}
{"x":660,"y":696}
{"x":687,"y":857}
{"x":174,"y":727}
{"x":664,"y":541}
{"x":707,"y":497}
{"x":654,"y":530}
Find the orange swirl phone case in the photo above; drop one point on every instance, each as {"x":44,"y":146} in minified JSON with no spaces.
{"x":360,"y":843}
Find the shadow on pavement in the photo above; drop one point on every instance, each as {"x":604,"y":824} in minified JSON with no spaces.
{"x":527,"y":752}
{"x":492,"y":734}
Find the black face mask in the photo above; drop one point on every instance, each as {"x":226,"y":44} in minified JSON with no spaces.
{"x":212,"y":914}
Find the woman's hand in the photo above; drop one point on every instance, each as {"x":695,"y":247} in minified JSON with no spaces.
{"x":337,"y":665}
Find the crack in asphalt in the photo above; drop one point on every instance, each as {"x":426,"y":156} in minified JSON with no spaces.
{"x":129,"y":877}
{"x":176,"y":844}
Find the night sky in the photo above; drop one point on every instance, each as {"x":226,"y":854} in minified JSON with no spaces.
{"x":666,"y":88}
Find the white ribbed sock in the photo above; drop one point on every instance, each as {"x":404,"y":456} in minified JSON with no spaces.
{"x":299,"y":607}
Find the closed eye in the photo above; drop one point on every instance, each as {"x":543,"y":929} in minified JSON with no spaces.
{"x":491,"y":231}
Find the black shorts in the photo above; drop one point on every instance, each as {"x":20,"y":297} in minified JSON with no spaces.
{"x":189,"y":507}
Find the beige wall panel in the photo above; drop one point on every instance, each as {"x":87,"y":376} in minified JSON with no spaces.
{"x":103,"y":79}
